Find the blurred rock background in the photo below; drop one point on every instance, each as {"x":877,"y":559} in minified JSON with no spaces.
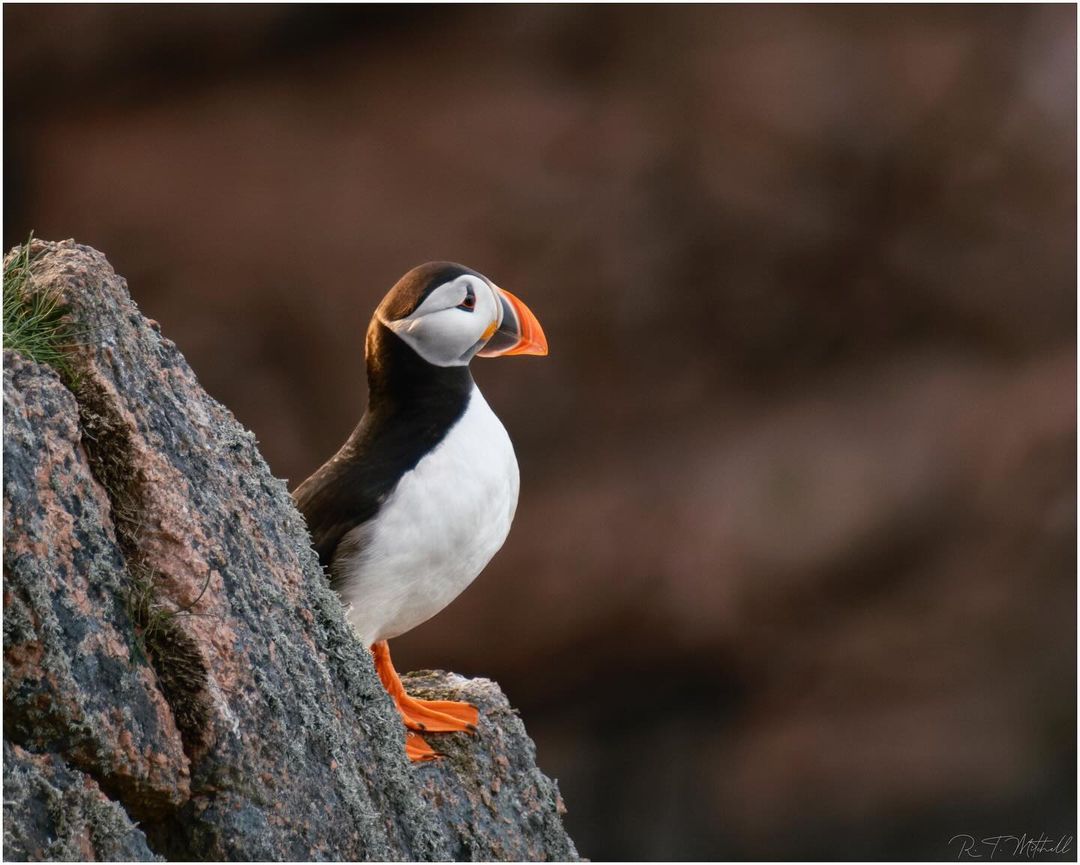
{"x":794,"y":569}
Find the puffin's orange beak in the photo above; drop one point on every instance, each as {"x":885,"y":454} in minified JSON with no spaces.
{"x":519,"y":333}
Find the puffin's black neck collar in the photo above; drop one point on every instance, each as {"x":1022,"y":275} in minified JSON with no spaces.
{"x":399,"y":380}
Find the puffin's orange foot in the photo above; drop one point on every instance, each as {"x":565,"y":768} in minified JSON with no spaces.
{"x":417,"y":750}
{"x":437,"y":716}
{"x":424,"y":716}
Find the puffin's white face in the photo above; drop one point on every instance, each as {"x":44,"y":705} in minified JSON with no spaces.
{"x":464,"y":316}
{"x":454,"y":321}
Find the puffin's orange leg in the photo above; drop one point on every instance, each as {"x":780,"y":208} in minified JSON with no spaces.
{"x":425,"y":716}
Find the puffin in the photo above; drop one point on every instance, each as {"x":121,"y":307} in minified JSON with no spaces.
{"x":421,"y":495}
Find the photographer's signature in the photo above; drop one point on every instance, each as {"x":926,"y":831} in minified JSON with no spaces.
{"x":1009,"y":846}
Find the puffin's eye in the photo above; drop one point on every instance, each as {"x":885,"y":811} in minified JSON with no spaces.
{"x":469,"y":303}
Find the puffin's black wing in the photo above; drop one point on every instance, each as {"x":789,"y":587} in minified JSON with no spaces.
{"x":336,"y":499}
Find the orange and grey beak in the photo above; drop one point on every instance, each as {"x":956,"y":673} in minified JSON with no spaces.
{"x":519,"y":332}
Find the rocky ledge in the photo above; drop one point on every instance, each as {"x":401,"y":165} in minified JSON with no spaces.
{"x":179,"y":680}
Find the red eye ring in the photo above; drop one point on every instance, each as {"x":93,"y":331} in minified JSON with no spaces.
{"x":469,"y":303}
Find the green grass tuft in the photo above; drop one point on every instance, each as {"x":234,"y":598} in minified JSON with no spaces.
{"x":153,"y":620}
{"x":35,"y":321}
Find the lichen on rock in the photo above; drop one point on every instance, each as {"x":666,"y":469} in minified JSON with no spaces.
{"x":56,"y":813}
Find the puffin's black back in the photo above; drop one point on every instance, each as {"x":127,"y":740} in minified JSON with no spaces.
{"x":412,"y":404}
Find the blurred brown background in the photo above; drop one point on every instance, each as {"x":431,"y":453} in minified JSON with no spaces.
{"x":794,"y":569}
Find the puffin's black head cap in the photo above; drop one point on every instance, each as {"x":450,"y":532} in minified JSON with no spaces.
{"x":414,"y":287}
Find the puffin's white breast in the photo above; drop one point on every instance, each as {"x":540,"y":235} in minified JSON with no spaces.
{"x":435,"y":532}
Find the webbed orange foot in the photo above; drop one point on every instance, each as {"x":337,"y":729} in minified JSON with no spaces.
{"x":437,"y":716}
{"x":416,"y":749}
{"x":422,"y":716}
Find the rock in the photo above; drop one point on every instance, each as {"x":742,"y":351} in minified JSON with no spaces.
{"x":71,"y":677}
{"x":171,"y":637}
{"x":57,"y":813}
{"x":475,"y":793}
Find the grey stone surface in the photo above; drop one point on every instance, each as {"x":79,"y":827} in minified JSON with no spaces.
{"x":207,"y":678}
{"x":53,"y":812}
{"x":73,"y":676}
{"x":477,"y":792}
